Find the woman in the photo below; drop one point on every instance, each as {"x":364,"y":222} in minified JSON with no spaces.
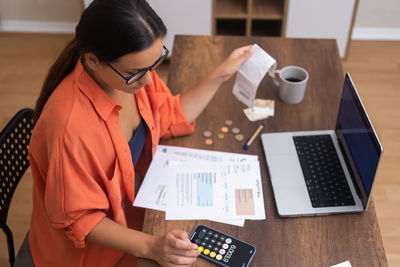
{"x":99,"y":117}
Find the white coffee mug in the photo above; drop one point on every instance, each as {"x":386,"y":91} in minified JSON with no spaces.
{"x":292,"y":83}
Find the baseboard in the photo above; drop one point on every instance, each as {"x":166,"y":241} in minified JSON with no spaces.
{"x":361,"y":33}
{"x":37,"y":26}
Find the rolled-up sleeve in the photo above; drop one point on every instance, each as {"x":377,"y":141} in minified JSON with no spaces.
{"x":74,"y":200}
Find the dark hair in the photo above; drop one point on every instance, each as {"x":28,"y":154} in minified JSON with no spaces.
{"x":109,"y":29}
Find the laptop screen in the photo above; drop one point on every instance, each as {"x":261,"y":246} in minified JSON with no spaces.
{"x":359,"y":140}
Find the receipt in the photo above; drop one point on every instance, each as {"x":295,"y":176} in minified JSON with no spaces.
{"x":251,"y":73}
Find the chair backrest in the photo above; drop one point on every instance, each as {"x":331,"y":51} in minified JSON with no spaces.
{"x":14,"y":143}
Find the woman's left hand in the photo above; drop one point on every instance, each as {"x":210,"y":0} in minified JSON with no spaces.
{"x":196,"y":99}
{"x":232,"y":63}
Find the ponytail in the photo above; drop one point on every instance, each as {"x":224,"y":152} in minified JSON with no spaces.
{"x":64,"y":65}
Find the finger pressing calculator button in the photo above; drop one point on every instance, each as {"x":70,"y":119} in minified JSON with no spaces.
{"x":225,"y":246}
{"x":219,"y":257}
{"x":200,"y":249}
{"x":228,"y":240}
{"x":206,"y":251}
{"x":213,"y":254}
{"x":222,"y":251}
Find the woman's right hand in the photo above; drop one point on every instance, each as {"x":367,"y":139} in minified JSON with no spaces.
{"x":174,"y":249}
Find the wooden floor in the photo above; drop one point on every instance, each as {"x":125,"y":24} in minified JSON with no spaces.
{"x":373,"y":65}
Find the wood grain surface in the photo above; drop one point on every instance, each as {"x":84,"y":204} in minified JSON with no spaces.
{"x":306,"y":241}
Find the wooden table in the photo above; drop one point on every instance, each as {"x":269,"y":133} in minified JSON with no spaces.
{"x":306,"y":241}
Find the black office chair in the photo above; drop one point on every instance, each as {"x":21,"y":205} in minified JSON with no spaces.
{"x":14,"y":143}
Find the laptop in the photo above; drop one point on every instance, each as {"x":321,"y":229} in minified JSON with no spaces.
{"x":325,"y":172}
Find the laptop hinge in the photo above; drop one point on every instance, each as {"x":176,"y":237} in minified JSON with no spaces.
{"x":349,"y":169}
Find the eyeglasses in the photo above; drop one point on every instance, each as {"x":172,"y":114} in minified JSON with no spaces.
{"x":139,"y":75}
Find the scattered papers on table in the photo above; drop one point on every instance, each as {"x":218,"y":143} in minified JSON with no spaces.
{"x":178,"y":173}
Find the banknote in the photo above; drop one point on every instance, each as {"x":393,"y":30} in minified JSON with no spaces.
{"x":261,"y":109}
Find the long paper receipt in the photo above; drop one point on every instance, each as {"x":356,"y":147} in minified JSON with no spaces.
{"x":250,"y":75}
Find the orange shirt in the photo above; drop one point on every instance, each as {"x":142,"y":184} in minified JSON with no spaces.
{"x":82,"y":167}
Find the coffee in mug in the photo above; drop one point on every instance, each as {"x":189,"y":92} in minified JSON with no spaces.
{"x":292,"y":83}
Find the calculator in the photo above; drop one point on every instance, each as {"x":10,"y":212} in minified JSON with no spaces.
{"x":222,"y":249}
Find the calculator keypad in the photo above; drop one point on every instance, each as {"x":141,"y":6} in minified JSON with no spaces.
{"x":212,"y":244}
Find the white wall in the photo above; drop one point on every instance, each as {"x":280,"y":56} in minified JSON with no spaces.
{"x":375,"y":18}
{"x":39,"y":15}
{"x":42,"y":10}
{"x":378,"y":14}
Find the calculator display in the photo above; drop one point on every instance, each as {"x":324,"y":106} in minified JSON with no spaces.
{"x":221,"y":248}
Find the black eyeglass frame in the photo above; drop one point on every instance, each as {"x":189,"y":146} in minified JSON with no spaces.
{"x":140,"y":74}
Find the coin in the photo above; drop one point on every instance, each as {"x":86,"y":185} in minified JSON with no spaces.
{"x":235,"y":130}
{"x":207,"y":134}
{"x":228,"y":122}
{"x":208,"y":141}
{"x":221,"y":136}
{"x":224,"y":129}
{"x":239,"y":137}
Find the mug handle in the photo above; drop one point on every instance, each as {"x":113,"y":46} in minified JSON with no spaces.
{"x":275,"y":79}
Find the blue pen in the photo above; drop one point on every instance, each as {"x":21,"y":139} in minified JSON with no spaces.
{"x":251,"y":139}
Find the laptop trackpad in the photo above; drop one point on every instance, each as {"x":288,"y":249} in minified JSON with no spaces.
{"x":286,"y":171}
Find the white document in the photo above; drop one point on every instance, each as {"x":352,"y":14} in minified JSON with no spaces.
{"x":218,"y":190}
{"x":251,"y":73}
{"x":175,"y":152}
{"x":152,"y":193}
{"x":343,"y":264}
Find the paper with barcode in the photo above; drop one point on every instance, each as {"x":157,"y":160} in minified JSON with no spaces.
{"x":250,"y":75}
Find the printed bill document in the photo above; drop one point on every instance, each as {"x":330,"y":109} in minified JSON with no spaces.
{"x":215,"y":190}
{"x":172,"y":183}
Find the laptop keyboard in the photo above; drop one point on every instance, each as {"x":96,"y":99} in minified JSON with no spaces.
{"x":326,"y":183}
